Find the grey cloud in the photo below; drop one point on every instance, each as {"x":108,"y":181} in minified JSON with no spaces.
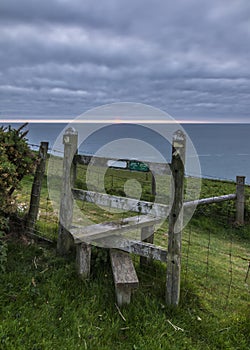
{"x":190,"y":58}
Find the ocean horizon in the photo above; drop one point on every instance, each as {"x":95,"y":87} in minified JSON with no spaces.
{"x":223,"y":149}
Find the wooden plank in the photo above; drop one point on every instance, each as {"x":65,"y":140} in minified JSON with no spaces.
{"x":143,"y":249}
{"x":91,"y":233}
{"x":157,"y":168}
{"x":210,"y":200}
{"x":146,"y":250}
{"x":122,"y":203}
{"x":143,"y":207}
{"x":123,"y":269}
{"x":124,"y":274}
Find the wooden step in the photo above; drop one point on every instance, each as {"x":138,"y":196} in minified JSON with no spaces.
{"x":89,"y":234}
{"x":124,"y":274}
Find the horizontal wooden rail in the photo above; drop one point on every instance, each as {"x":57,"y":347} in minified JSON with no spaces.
{"x":157,"y":168}
{"x":210,"y":200}
{"x":143,"y":207}
{"x":122,"y":203}
{"x":140,"y":248}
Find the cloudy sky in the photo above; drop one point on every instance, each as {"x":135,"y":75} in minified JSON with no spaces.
{"x":190,"y":58}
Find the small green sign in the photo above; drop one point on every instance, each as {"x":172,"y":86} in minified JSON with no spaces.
{"x":137,"y":166}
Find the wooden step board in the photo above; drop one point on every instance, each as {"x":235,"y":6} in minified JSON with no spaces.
{"x":89,"y":234}
{"x":124,"y":274}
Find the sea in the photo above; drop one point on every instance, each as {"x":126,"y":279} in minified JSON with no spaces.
{"x":223,"y":150}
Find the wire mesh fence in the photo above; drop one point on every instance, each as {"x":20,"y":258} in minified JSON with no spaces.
{"x":216,"y":256}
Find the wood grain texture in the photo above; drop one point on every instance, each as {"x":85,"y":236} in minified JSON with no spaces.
{"x":83,"y":259}
{"x":176,"y":220}
{"x":123,"y":269}
{"x":124,"y":274}
{"x":240,"y":199}
{"x":91,"y":233}
{"x":64,"y":241}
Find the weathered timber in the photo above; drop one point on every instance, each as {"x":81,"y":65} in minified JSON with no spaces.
{"x":240,"y":199}
{"x":124,"y":274}
{"x":210,"y":200}
{"x":153,"y":185}
{"x":90,"y":234}
{"x":124,"y":203}
{"x":143,"y":249}
{"x":36,"y":188}
{"x":147,"y":235}
{"x":157,"y":168}
{"x":83,"y":258}
{"x":64,"y":241}
{"x":147,"y":250}
{"x":143,"y":207}
{"x":176,"y":220}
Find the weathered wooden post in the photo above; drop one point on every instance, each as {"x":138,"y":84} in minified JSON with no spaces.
{"x":176,"y":219}
{"x":147,"y":235}
{"x":74,"y":169}
{"x":153,"y":185}
{"x":64,"y":241}
{"x":240,"y":199}
{"x":36,"y":188}
{"x":83,"y":259}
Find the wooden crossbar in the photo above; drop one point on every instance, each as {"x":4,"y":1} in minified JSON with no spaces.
{"x":91,"y":233}
{"x":143,"y":207}
{"x":147,"y":250}
{"x":157,"y":168}
{"x":123,"y":203}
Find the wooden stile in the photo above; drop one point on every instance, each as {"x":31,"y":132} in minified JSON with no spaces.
{"x":112,"y":234}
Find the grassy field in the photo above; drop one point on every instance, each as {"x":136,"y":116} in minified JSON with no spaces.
{"x":45,"y":306}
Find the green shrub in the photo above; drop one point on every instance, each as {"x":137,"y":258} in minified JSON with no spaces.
{"x":16,"y":161}
{"x":3,"y":244}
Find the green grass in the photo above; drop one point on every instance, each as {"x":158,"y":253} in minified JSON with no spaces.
{"x":44,"y":305}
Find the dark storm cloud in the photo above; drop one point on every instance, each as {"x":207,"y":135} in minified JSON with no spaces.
{"x":190,"y":58}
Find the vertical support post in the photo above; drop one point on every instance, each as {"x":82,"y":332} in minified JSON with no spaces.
{"x":83,"y":259}
{"x":74,"y":169}
{"x":176,"y":219}
{"x":64,"y":241}
{"x":153,"y":185}
{"x":36,"y":188}
{"x":240,"y":199}
{"x":147,"y":235}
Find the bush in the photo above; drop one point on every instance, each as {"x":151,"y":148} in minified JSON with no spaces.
{"x":16,"y":161}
